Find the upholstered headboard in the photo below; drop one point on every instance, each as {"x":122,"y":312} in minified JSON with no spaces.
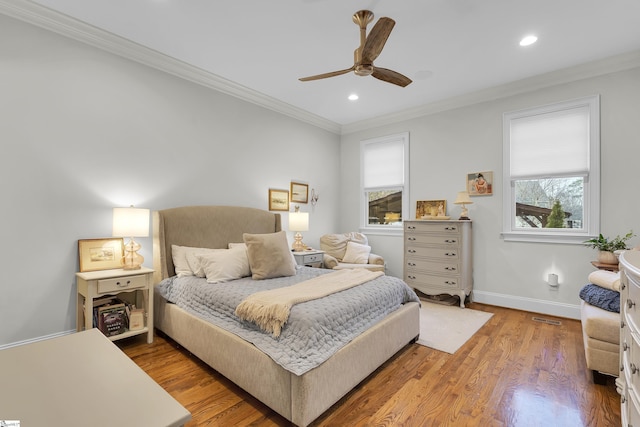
{"x":204,"y":227}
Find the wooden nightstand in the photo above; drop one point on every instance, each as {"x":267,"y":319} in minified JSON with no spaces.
{"x":135,"y":286}
{"x":309,"y":258}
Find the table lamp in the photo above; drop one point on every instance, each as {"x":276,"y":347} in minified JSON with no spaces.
{"x":131,"y":222}
{"x":463,"y":199}
{"x":298,"y":221}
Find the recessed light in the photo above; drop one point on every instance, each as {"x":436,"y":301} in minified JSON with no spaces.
{"x":353,"y":97}
{"x":528,"y":40}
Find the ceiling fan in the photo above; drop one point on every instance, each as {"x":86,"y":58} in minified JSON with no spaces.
{"x":369,"y":49}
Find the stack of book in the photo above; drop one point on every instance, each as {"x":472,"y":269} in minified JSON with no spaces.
{"x":112,"y":316}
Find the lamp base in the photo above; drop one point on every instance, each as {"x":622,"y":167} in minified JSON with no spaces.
{"x":298,"y":246}
{"x":464,"y":218}
{"x":132,"y":260}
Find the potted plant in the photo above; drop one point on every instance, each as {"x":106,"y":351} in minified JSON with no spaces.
{"x":607,"y":247}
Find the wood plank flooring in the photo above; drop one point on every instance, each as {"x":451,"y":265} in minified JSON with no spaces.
{"x":513,"y":372}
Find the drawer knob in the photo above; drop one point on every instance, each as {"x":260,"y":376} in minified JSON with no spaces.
{"x":450,"y":282}
{"x":123,"y":285}
{"x":411,"y":227}
{"x":412,"y":277}
{"x":450,"y":241}
{"x":630,"y":303}
{"x":450,"y":254}
{"x":412,"y":251}
{"x":623,"y":286}
{"x":411,"y":264}
{"x":450,"y":228}
{"x":411,"y":238}
{"x":622,"y":324}
{"x":450,"y":268}
{"x":625,"y":346}
{"x":634,"y":368}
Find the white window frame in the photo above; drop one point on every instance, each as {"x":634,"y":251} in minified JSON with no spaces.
{"x":591,"y":220}
{"x":365,"y":227}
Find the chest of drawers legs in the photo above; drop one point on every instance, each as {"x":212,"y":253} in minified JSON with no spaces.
{"x":438,"y":258}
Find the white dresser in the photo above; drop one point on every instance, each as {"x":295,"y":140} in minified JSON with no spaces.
{"x":629,"y":380}
{"x":438,"y":258}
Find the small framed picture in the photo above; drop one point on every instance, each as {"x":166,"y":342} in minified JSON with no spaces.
{"x":480,"y":183}
{"x":100,"y":254}
{"x":429,"y":208}
{"x":299,"y":192}
{"x":278,"y":200}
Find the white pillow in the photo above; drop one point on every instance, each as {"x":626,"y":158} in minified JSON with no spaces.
{"x":181,"y":256}
{"x":225,"y":265}
{"x":356,"y":253}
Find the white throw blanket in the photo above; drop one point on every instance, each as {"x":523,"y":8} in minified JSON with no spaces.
{"x":270,"y":309}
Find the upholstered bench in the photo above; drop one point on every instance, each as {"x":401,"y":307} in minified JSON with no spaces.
{"x":601,"y":327}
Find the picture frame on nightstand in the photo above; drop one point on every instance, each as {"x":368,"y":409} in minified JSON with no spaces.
{"x":100,"y":254}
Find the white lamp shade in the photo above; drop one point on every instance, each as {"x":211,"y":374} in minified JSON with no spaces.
{"x":130,"y":222}
{"x":299,"y":221}
{"x":463,"y":198}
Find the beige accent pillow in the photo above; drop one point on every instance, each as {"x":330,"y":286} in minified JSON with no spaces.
{"x":356,"y":253}
{"x":225,"y":265}
{"x":185,"y":262}
{"x":269,"y":255}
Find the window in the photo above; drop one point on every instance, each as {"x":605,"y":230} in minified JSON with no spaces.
{"x":551,"y":164}
{"x":384,"y":182}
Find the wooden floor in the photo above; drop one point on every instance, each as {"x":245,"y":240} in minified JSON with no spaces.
{"x":513,"y":372}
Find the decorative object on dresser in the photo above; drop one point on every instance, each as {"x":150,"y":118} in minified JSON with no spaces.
{"x":463,"y":199}
{"x":309,"y":258}
{"x":438,"y":257}
{"x":112,"y":289}
{"x":131,"y":222}
{"x":349,"y":250}
{"x":629,"y":381}
{"x":429,"y":209}
{"x":298,"y":221}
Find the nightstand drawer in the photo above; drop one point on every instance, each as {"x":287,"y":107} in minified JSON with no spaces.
{"x":306,"y":259}
{"x":119,"y":284}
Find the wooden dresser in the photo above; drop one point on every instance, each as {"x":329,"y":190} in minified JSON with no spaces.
{"x":629,"y":380}
{"x":438,"y":258}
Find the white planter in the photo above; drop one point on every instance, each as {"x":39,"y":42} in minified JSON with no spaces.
{"x":607,"y":257}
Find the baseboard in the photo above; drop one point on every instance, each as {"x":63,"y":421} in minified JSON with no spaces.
{"x":32,"y":340}
{"x":551,"y":308}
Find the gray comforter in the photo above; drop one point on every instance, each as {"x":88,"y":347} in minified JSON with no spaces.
{"x":315,"y":329}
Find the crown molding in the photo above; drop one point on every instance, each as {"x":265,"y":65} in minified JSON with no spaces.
{"x":64,"y":25}
{"x":579,"y":72}
{"x":59,"y":23}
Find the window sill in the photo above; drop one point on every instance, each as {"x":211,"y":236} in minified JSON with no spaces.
{"x":542,"y":237}
{"x":380,"y":231}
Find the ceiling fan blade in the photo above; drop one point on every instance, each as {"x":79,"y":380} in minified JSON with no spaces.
{"x":326,"y":75}
{"x":376,"y":39}
{"x":391,"y":76}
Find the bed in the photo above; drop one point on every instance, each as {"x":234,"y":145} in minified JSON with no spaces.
{"x":300,"y":398}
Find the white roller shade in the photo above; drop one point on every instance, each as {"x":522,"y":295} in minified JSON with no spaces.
{"x":550,"y":144}
{"x":384,"y":164}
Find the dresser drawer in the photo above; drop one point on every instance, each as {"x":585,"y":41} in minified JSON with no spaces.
{"x":419,"y":280}
{"x":438,"y":253}
{"x":433,"y":239}
{"x":432,"y":227}
{"x":122,"y":284}
{"x":442,"y":267}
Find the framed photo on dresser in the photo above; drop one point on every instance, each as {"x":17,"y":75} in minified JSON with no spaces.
{"x":100,"y":254}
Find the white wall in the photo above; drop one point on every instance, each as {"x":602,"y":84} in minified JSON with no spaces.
{"x":83,"y":131}
{"x":446,"y":146}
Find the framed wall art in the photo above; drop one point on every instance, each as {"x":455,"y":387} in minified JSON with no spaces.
{"x":480,"y":183}
{"x":278,"y":200}
{"x":299,"y":192}
{"x":100,"y":254}
{"x":430,"y":208}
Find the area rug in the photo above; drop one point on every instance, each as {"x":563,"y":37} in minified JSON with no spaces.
{"x":447,"y":328}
